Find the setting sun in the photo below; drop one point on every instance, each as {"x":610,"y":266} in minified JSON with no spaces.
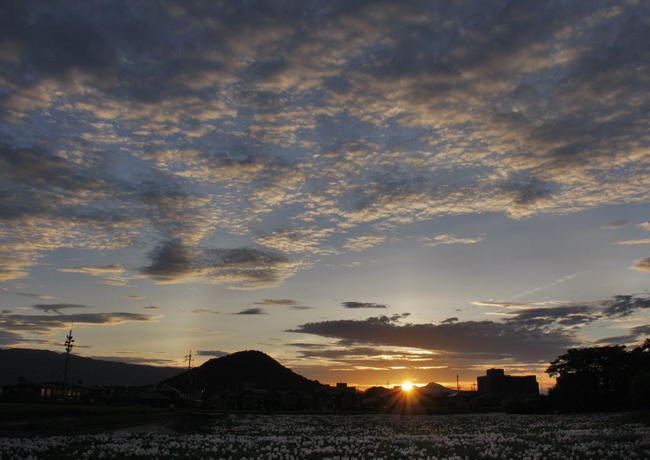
{"x":407,"y":386}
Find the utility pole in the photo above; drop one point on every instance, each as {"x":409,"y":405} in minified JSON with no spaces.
{"x":190,"y":377}
{"x":457,"y":383}
{"x":69,"y":343}
{"x":188,"y":358}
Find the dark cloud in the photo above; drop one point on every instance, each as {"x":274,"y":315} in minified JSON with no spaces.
{"x":138,"y":360}
{"x":362,"y":305}
{"x":173,"y":261}
{"x":276,"y":302}
{"x":345,"y":353}
{"x":565,"y":315}
{"x":637,"y":333}
{"x":205,"y":310}
{"x":9,"y":338}
{"x":615,"y":340}
{"x":300,"y":307}
{"x":42,"y":324}
{"x":528,"y":192}
{"x":640,"y":330}
{"x":23,"y":294}
{"x":213,"y":353}
{"x":151,"y":307}
{"x":485,"y":337}
{"x":307,"y":345}
{"x":573,"y":314}
{"x":56,"y":307}
{"x":615,"y":225}
{"x":453,"y":319}
{"x":624,"y":305}
{"x":251,"y":311}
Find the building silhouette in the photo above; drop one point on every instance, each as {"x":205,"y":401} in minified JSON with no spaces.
{"x":496,"y":384}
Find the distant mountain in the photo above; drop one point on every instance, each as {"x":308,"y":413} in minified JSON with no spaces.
{"x":47,"y":366}
{"x":244,"y":369}
{"x":435,"y":389}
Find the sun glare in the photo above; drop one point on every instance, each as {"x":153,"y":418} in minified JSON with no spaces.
{"x":407,"y":386}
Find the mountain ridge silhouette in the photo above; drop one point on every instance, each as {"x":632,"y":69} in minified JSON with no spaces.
{"x":241,"y":370}
{"x":39,"y":366}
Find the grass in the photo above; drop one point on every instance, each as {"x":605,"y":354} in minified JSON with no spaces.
{"x":46,"y":419}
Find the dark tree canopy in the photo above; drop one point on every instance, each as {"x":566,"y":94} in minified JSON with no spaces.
{"x":601,"y":378}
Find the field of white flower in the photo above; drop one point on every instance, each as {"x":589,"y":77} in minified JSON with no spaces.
{"x":361,"y":437}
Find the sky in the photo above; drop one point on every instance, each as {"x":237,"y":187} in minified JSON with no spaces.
{"x":367,"y":191}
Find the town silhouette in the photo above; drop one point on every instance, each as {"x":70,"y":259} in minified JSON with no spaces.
{"x":607,"y":378}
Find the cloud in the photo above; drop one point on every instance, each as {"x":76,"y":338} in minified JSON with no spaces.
{"x":642,"y":265}
{"x":473,"y":338}
{"x":251,"y":311}
{"x":276,"y":302}
{"x":635,"y":334}
{"x":213,"y":353}
{"x":151,"y":307}
{"x":519,"y":109}
{"x":449,"y":239}
{"x":615,"y":225}
{"x":300,"y":307}
{"x":56,"y":307}
{"x":362,"y":305}
{"x":451,"y":320}
{"x":645,"y":225}
{"x":113,"y":274}
{"x":336,"y":353}
{"x":624,"y":305}
{"x":241,"y":268}
{"x":564,"y":315}
{"x":9,"y":338}
{"x":96,"y":271}
{"x":205,"y":310}
{"x":24,"y":294}
{"x":628,"y":242}
{"x":361,"y":242}
{"x":142,"y":360}
{"x":297,"y":240}
{"x":136,"y":297}
{"x":45,"y":324}
{"x":569,"y":313}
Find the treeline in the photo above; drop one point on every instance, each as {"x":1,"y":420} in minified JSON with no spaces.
{"x":601,"y":379}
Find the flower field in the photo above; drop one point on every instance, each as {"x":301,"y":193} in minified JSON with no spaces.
{"x":361,"y":437}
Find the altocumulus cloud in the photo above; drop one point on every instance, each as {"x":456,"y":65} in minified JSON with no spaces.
{"x":557,"y":93}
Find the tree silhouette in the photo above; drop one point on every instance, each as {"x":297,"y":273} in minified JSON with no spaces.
{"x":601,"y":378}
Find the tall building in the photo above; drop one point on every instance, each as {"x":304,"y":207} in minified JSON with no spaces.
{"x":496,"y":384}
